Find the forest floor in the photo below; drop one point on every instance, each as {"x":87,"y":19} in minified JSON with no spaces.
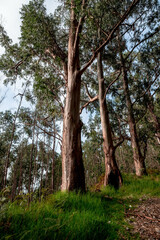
{"x":129,"y":213}
{"x":145,"y":219}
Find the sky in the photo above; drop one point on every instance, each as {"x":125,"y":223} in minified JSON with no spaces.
{"x":10,"y":19}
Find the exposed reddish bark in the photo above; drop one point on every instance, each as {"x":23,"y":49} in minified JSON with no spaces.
{"x":112,"y":173}
{"x":72,"y":164}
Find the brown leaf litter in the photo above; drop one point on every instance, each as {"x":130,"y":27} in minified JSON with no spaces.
{"x":145,"y":219}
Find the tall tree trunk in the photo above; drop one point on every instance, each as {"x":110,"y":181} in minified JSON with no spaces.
{"x":35,"y":163}
{"x":139,"y":160}
{"x":53,"y":156}
{"x":20,"y":170}
{"x":112,"y":173}
{"x":72,"y":164}
{"x":47,"y":168}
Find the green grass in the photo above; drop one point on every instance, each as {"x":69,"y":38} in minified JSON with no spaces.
{"x":70,"y":216}
{"x":136,"y":187}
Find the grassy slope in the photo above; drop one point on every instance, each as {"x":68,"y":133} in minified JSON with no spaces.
{"x":75,"y":216}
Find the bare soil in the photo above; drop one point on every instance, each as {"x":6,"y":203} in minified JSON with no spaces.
{"x":145,"y":219}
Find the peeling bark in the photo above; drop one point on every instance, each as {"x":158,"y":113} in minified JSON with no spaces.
{"x":72,"y":164}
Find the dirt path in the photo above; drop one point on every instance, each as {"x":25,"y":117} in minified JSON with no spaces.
{"x":145,"y":219}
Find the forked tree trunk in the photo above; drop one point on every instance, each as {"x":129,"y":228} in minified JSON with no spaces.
{"x":112,"y":173}
{"x":72,"y":164}
{"x":139,"y":160}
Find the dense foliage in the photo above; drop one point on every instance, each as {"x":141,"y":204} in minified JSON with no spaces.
{"x":29,"y":157}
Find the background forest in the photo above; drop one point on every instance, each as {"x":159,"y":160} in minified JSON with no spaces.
{"x":81,"y":159}
{"x":114,"y":53}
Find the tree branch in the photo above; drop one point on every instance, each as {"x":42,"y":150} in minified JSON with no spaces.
{"x":119,"y":143}
{"x":90,"y":101}
{"x":109,"y":86}
{"x":157,"y":75}
{"x":144,"y":39}
{"x":89,"y":95}
{"x":110,"y":36}
{"x":79,"y":27}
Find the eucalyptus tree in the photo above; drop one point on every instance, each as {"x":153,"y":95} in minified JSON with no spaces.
{"x":103,"y":21}
{"x":102,"y":18}
{"x":130,"y":36}
{"x":131,"y":74}
{"x":72,"y":41}
{"x":41,"y":48}
{"x":149,"y":60}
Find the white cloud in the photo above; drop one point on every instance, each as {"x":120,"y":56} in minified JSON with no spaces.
{"x":9,"y":10}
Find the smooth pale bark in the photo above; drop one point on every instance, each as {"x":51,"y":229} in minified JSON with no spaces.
{"x":72,"y":164}
{"x":139,"y":160}
{"x":112,"y":173}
